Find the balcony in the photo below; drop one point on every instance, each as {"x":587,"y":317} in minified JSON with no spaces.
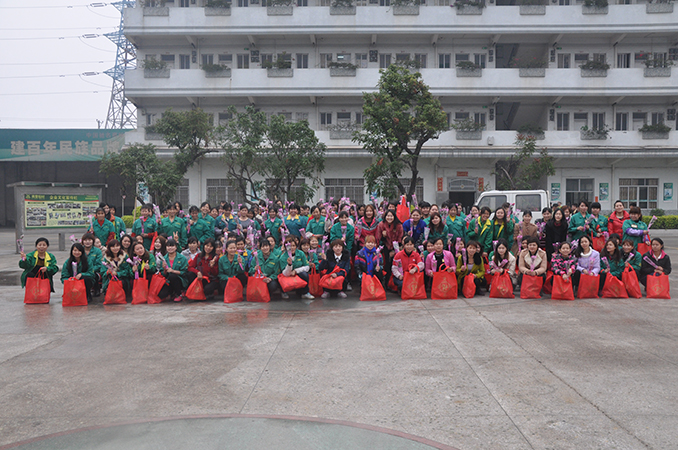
{"x":369,"y":20}
{"x":319,"y":82}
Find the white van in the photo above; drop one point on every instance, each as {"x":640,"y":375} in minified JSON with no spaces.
{"x":534,"y":201}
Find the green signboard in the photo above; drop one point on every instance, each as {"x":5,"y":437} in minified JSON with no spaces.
{"x":59,"y":145}
{"x":59,"y":211}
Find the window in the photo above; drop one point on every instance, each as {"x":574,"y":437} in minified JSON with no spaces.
{"x":461,"y":116}
{"x":623,"y":60}
{"x":219,"y":189}
{"x":564,"y":60}
{"x":480,"y":118}
{"x":622,"y":122}
{"x":441,"y":2}
{"x":420,"y":58}
{"x":344,"y":57}
{"x":182,"y":193}
{"x":563,"y":2}
{"x":641,"y":191}
{"x":359,"y":118}
{"x":600,"y":57}
{"x":207,"y":59}
{"x":384,"y":2}
{"x":343,"y":118}
{"x":243,"y":61}
{"x":563,"y":121}
{"x":580,"y":120}
{"x":325,"y":60}
{"x":167,"y":59}
{"x":673,"y":53}
{"x":353,"y":188}
{"x":226,"y":59}
{"x":461,"y":57}
{"x":528,"y":202}
{"x":266,"y":58}
{"x":302,"y":60}
{"x":296,"y":192}
{"x":657,"y":118}
{"x":225,"y":117}
{"x":184,"y":61}
{"x":301,"y":116}
{"x":493,"y":201}
{"x":285,"y":57}
{"x":286,"y":115}
{"x":302,"y":2}
{"x":243,"y":3}
{"x":577,"y":189}
{"x":325,"y":120}
{"x":384,"y":60}
{"x":444,"y":60}
{"x":418,"y":190}
{"x":480,"y":59}
{"x":184,"y":3}
{"x":598,"y":121}
{"x":403,"y":57}
{"x":361,"y":60}
{"x":639,"y":119}
{"x":580,"y":59}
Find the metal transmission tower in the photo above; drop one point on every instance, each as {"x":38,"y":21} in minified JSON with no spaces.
{"x":121,"y":112}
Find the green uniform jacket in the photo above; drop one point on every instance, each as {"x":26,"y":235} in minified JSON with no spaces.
{"x":312,"y":258}
{"x":484,"y":235}
{"x":269,"y":266}
{"x":577,"y":220}
{"x":335,"y":233}
{"x":124,"y":271}
{"x":180,"y":264}
{"x":94,"y":260}
{"x":299,"y":260}
{"x":211,"y":223}
{"x":317,"y":227}
{"x":32,"y":260}
{"x":67,"y":271}
{"x":503,"y":231}
{"x":273,"y":227}
{"x":147,"y":266}
{"x":228,"y":269}
{"x":104,"y":231}
{"x":143,"y":227}
{"x":178,"y":226}
{"x":616,"y":267}
{"x":457,"y":227}
{"x":433,"y":235}
{"x":635,"y":260}
{"x":598,"y":225}
{"x":640,"y":225}
{"x":199,"y":230}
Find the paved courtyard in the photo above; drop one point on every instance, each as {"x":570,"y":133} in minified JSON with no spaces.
{"x":468,"y":374}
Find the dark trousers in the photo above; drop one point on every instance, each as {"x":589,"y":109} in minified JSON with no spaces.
{"x":479,"y":282}
{"x":175,"y":286}
{"x":209,"y":287}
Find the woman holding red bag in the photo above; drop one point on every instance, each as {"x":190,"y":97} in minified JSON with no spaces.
{"x":661,"y":263}
{"x":206,"y":268}
{"x":615,"y":222}
{"x":389,"y":231}
{"x":404,"y":261}
{"x":470,"y":262}
{"x":83,"y":271}
{"x":115,"y":260}
{"x":588,"y":260}
{"x":439,"y":257}
{"x":501,"y":260}
{"x":175,"y":267}
{"x":39,"y":261}
{"x":336,"y":263}
{"x":532,"y":260}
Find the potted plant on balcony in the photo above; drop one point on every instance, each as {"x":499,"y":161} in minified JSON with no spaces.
{"x":343,"y":130}
{"x":594,"y":134}
{"x":530,"y":67}
{"x":342,"y":8}
{"x":155,"y":69}
{"x":468,"y":130}
{"x":279,"y":8}
{"x":280,"y":68}
{"x":594,"y":69}
{"x":659,"y":67}
{"x":656,"y":131}
{"x":532,"y":7}
{"x":405,"y":7}
{"x":155,"y":8}
{"x":342,"y":69}
{"x":469,"y":7}
{"x":216,"y":71}
{"x":218,"y":8}
{"x":659,"y":6}
{"x":531,"y":130}
{"x":595,"y":7}
{"x":468,"y":69}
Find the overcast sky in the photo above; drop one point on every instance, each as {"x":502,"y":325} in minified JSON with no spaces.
{"x":44,"y":57}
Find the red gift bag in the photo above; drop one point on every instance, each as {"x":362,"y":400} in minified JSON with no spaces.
{"x":588,"y":286}
{"x":115,"y":294}
{"x":38,"y":290}
{"x":413,"y":285}
{"x":233,"y":291}
{"x":644,"y":248}
{"x":140,"y":291}
{"x":502,"y":287}
{"x":469,"y":287}
{"x":75,"y":293}
{"x":154,"y":288}
{"x":562,"y":290}
{"x":292,"y":283}
{"x":658,"y":286}
{"x":314,"y":283}
{"x":598,"y":243}
{"x":371,"y":289}
{"x":335,"y":284}
{"x":257,"y":289}
{"x":195,"y":290}
{"x":548,"y":284}
{"x":444,"y":285}
{"x":391,"y":284}
{"x":614,"y":288}
{"x":630,"y":280}
{"x":402,"y":210}
{"x":531,"y":286}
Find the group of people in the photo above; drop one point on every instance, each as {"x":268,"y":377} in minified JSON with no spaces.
{"x":345,"y":240}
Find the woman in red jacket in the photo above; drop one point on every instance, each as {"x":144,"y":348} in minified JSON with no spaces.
{"x":406,"y":260}
{"x":206,"y":267}
{"x":616,"y":220}
{"x":366,"y":226}
{"x":389,"y":230}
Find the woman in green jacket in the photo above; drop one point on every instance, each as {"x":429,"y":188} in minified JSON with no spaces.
{"x":580,"y":222}
{"x":231,"y":264}
{"x":634,"y":228}
{"x":480,"y":230}
{"x":175,"y":270}
{"x":116,"y":265}
{"x":437,"y":229}
{"x":83,"y":270}
{"x":502,"y":227}
{"x":611,"y":262}
{"x":316,"y":224}
{"x":39,"y":261}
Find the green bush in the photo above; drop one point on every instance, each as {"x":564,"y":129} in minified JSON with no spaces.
{"x":129,"y":221}
{"x":657,"y":212}
{"x":663,"y":222}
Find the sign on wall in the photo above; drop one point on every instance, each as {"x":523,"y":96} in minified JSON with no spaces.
{"x":603,"y":191}
{"x":668,"y":191}
{"x":555,"y":191}
{"x":59,"y":211}
{"x":59,"y":145}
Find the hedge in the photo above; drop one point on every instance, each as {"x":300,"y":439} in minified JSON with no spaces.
{"x":129,"y":221}
{"x":663,"y":222}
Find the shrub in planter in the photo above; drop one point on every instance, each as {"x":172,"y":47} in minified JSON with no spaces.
{"x":472,"y":3}
{"x":663,"y":222}
{"x":218,"y":4}
{"x":657,"y":212}
{"x":279,"y":63}
{"x":531,"y":129}
{"x":656,"y":128}
{"x":467,"y":65}
{"x":595,"y":65}
{"x":595,"y":133}
{"x":467,"y":125}
{"x":596,"y":3}
{"x":153,"y":64}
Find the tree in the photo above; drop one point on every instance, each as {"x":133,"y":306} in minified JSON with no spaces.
{"x":243,"y":141}
{"x":191,"y":132}
{"x":139,"y":164}
{"x":523,"y":170}
{"x":398,"y":120}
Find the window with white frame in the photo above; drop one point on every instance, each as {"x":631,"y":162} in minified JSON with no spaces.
{"x":480,"y":118}
{"x":182,"y":192}
{"x":639,"y":191}
{"x":462,"y":116}
{"x":167,"y":59}
{"x":623,"y":60}
{"x":225,"y":117}
{"x":564,"y":60}
{"x":384,"y":60}
{"x":421,"y":58}
{"x":325,"y":60}
{"x":621,"y":122}
{"x":302,"y":60}
{"x":344,"y":57}
{"x":225,"y":59}
{"x":286,"y":114}
{"x":243,"y":61}
{"x":639,"y":119}
{"x":359,"y":118}
{"x":266,"y":58}
{"x":343,"y":118}
{"x":480,"y":59}
{"x":657,"y":118}
{"x":361,"y":60}
{"x":220,"y":189}
{"x":563,"y":121}
{"x":353,"y":188}
{"x":301,"y":116}
{"x":403,"y":57}
{"x":418,"y":190}
{"x":295,"y":192}
{"x":207,"y":60}
{"x":598,"y":120}
{"x":444,"y":61}
{"x":577,"y":189}
{"x":184,"y":61}
{"x":580,"y":119}
{"x":580,"y":59}
{"x":325,"y":120}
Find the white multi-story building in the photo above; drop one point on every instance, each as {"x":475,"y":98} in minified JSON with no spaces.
{"x":561,"y":98}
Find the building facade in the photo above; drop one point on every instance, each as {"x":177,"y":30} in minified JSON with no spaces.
{"x":501,"y":65}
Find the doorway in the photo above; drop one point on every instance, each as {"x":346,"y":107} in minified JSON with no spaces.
{"x":465,"y":199}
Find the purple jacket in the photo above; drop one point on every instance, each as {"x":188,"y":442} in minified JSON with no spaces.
{"x":590,"y":263}
{"x":430,"y":266}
